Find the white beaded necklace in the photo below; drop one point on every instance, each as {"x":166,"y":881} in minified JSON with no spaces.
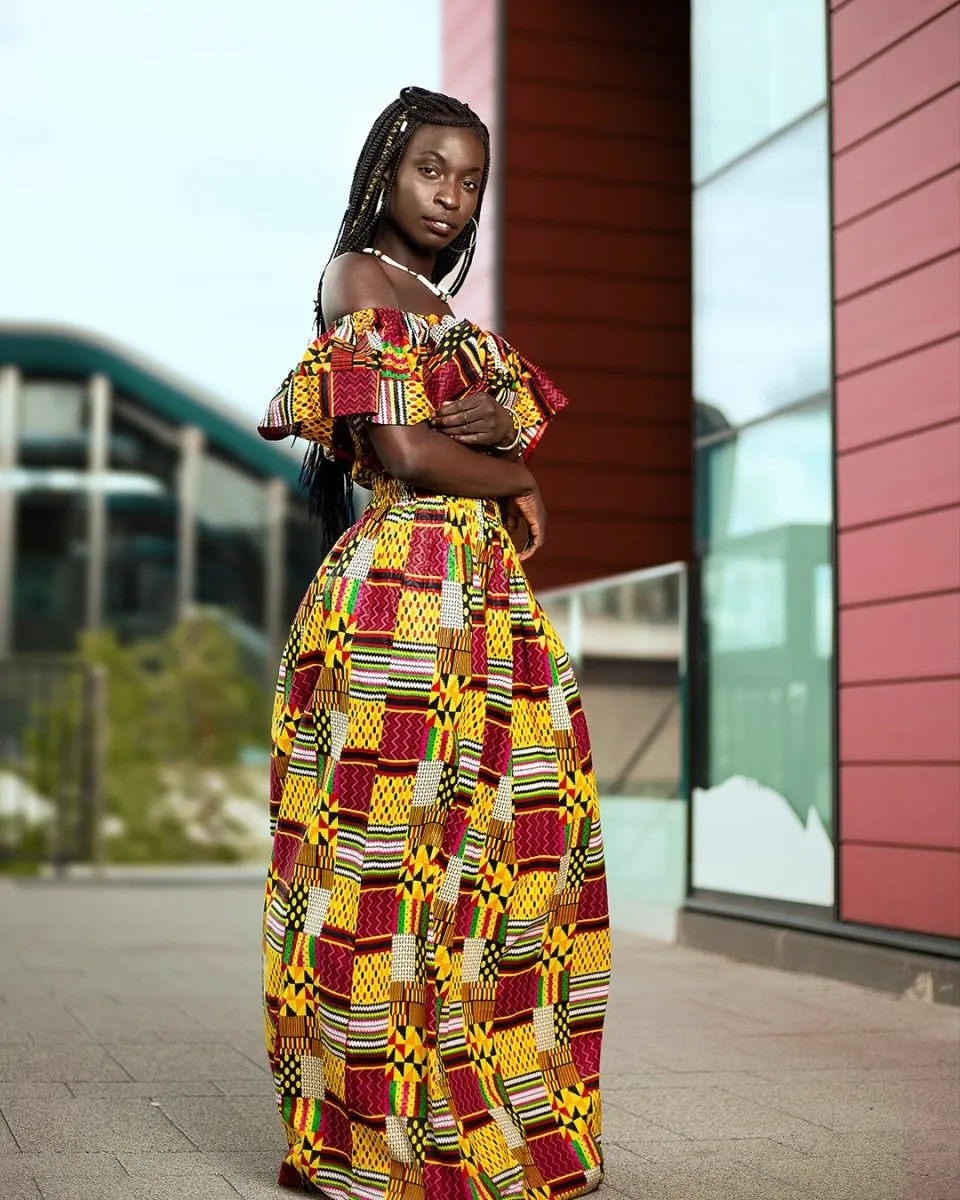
{"x":391,"y":262}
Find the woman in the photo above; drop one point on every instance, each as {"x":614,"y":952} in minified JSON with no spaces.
{"x":435,"y":931}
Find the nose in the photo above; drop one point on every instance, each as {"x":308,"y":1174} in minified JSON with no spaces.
{"x":447,"y":196}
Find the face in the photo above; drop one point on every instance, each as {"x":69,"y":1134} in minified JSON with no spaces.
{"x":437,"y":186}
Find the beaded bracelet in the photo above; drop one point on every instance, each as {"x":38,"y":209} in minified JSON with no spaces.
{"x":519,"y":431}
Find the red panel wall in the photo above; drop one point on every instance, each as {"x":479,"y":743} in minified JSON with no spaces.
{"x":596,"y":270}
{"x":896,"y":123}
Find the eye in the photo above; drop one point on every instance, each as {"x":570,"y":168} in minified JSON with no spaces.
{"x":428,"y":171}
{"x":471,"y":185}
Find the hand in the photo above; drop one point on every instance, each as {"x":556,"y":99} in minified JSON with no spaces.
{"x":476,"y":420}
{"x":529,"y":506}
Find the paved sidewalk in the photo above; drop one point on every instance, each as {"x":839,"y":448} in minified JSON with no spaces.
{"x":132,"y":1064}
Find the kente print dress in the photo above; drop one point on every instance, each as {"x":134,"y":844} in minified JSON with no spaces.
{"x":436,"y":944}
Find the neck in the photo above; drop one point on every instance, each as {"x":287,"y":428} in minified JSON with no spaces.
{"x":390,"y":241}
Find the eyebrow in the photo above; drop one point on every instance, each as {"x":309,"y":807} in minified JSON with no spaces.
{"x":442,"y":158}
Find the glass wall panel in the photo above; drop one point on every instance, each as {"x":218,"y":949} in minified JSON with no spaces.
{"x":231,"y":540}
{"x":763,"y":805}
{"x":140,"y":593}
{"x":757,"y":66}
{"x":51,"y":481}
{"x":762,"y":303}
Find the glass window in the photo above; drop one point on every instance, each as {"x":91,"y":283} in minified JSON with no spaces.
{"x":51,"y":524}
{"x":302,"y":554}
{"x":231,"y":542}
{"x":757,"y":66}
{"x":53,"y":422}
{"x":140,"y":591}
{"x":761,"y":255}
{"x":763,"y":804}
{"x":49,"y":569}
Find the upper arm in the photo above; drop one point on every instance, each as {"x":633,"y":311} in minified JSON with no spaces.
{"x":353,"y":282}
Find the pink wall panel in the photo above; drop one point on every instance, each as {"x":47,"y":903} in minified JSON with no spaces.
{"x":897,"y":478}
{"x":896,"y":123}
{"x":910,"y":557}
{"x":905,"y":639}
{"x":900,"y":722}
{"x":471,"y":67}
{"x":901,"y":888}
{"x":903,"y":315}
{"x":899,"y":397}
{"x":922,"y":226}
{"x":905,"y":76}
{"x":902,"y":805}
{"x":900,"y":157}
{"x":864,"y":28}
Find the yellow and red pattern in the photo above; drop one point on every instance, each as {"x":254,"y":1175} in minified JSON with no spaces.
{"x":436,"y":947}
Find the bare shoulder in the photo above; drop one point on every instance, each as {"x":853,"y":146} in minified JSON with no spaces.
{"x":354,"y":281}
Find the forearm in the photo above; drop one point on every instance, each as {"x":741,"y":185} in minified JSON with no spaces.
{"x":434,"y":462}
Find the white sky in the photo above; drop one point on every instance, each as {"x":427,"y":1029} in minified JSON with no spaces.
{"x":173,"y":174}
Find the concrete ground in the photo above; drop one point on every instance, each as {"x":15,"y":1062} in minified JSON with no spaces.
{"x":132,"y":1064}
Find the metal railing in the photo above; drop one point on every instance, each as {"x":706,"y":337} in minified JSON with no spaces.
{"x":52,"y":729}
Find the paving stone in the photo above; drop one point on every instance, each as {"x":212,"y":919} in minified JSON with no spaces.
{"x":887,"y":1104}
{"x":227,"y":1122}
{"x":91,"y":1123}
{"x":47,"y":1167}
{"x":14,"y":1185}
{"x":113,"y":1021}
{"x":152,"y":1089}
{"x":253,"y":1164}
{"x":209,"y":1187}
{"x":263,"y":1085}
{"x":722,"y":1081}
{"x":709,"y":1112}
{"x":44,"y":1062}
{"x":201,"y":1061}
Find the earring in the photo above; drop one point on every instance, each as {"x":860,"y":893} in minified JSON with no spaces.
{"x":473,"y":235}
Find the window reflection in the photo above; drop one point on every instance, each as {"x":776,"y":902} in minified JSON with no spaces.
{"x":231,"y":540}
{"x":53,"y":423}
{"x":757,"y":66}
{"x":761,"y":251}
{"x":764,"y":692}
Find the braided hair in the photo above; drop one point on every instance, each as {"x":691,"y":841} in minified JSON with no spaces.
{"x":327,"y":480}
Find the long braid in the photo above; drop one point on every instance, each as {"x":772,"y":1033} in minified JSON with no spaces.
{"x":328,"y":480}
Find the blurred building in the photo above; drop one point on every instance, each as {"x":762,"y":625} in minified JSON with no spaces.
{"x":731,"y":230}
{"x":127,"y":498}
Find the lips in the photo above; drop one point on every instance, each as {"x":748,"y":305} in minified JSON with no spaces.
{"x":444,"y":229}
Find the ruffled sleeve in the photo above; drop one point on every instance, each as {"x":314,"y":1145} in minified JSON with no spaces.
{"x":529,"y":393}
{"x":367,"y":364}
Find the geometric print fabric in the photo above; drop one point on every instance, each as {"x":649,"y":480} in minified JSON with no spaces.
{"x":436,"y":943}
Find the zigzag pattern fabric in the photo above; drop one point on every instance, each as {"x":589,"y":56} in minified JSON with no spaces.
{"x":436,"y":943}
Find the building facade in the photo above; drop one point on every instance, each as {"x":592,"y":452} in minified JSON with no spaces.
{"x":128,"y":499}
{"x":731,"y":231}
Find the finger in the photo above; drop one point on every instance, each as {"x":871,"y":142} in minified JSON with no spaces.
{"x":471,"y":439}
{"x":454,"y":420}
{"x":534,"y":541}
{"x":454,"y":409}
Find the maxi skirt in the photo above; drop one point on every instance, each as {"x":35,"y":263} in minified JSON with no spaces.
{"x":436,"y":943}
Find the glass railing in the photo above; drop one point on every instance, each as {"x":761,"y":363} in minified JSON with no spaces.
{"x":626,"y":636}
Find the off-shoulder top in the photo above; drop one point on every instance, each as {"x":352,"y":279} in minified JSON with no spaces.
{"x":391,"y":367}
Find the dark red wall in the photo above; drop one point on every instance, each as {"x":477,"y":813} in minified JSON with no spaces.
{"x":896,"y":122}
{"x":595,"y":270}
